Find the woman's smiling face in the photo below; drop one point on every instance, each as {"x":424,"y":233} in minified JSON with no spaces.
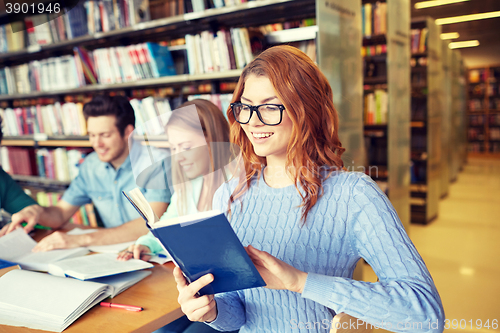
{"x":194,"y":162}
{"x":267,"y":141}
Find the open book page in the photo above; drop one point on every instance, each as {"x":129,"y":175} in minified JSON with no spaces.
{"x":15,"y":244}
{"x":97,"y":265}
{"x":42,"y":301}
{"x":122,"y":282}
{"x":17,"y":247}
{"x":142,"y":205}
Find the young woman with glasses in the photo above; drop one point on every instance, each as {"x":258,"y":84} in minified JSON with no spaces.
{"x":306,"y":222}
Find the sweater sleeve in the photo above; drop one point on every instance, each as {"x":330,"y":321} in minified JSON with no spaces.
{"x":405,"y":299}
{"x":230,"y":312}
{"x":150,"y":241}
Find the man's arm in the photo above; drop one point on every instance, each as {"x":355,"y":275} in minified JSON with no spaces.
{"x":127,"y":232}
{"x":53,"y":217}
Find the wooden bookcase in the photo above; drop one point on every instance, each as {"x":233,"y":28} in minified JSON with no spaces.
{"x":426,"y":132}
{"x":483,"y":110}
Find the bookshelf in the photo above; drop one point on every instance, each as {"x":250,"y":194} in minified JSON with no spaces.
{"x":52,"y":141}
{"x":483,"y":110}
{"x":386,"y":86}
{"x":427,"y":105}
{"x":446,"y":119}
{"x":345,"y":80}
{"x":459,"y":129}
{"x":177,"y":80}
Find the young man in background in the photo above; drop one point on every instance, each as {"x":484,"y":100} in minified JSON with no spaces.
{"x":103,"y":175}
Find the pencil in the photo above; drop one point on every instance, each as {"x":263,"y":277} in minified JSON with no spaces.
{"x":37,"y":226}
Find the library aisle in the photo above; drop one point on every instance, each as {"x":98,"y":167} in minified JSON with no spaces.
{"x":461,"y":247}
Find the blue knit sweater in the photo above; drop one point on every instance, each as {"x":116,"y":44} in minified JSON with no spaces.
{"x":352,"y":220}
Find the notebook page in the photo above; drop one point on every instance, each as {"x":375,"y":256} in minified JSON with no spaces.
{"x":15,"y":244}
{"x":97,"y":265}
{"x":44,"y":294}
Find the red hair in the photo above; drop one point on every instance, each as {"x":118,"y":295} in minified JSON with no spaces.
{"x":308,"y":100}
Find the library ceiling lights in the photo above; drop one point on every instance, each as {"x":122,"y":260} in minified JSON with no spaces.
{"x":450,"y":35}
{"x":465,"y":43}
{"x":435,"y":3}
{"x":466,"y":18}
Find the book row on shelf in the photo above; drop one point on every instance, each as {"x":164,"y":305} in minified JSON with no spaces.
{"x":483,"y":107}
{"x":68,"y":119}
{"x":223,"y":50}
{"x":481,"y":75}
{"x":58,"y":164}
{"x":479,"y":104}
{"x":479,"y":120}
{"x":481,"y":88}
{"x":374,"y":18}
{"x":53,"y":119}
{"x":419,"y":40}
{"x":38,"y":30}
{"x":475,"y":134}
{"x":169,"y":8}
{"x":479,"y":147}
{"x":109,"y":65}
{"x":206,"y":52}
{"x":84,"y":216}
{"x":375,"y":106}
{"x":373,"y":50}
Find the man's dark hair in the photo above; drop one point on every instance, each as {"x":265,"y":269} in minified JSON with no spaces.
{"x":105,"y":105}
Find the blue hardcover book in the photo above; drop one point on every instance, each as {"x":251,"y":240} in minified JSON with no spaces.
{"x":200,"y":244}
{"x":6,"y":263}
{"x":161,"y":60}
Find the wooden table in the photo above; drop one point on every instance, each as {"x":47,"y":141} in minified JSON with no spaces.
{"x":157,"y":294}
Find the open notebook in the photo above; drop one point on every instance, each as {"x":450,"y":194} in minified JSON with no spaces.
{"x":42,"y":301}
{"x":17,"y":246}
{"x":95,"y":266}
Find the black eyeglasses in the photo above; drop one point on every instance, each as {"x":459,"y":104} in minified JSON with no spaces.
{"x":269,"y":114}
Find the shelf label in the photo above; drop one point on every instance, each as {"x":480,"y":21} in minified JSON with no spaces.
{"x":193,"y":16}
{"x":140,"y":26}
{"x":40,"y":137}
{"x":34,"y":48}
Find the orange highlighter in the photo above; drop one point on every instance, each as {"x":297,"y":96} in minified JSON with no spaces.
{"x":121,"y":306}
